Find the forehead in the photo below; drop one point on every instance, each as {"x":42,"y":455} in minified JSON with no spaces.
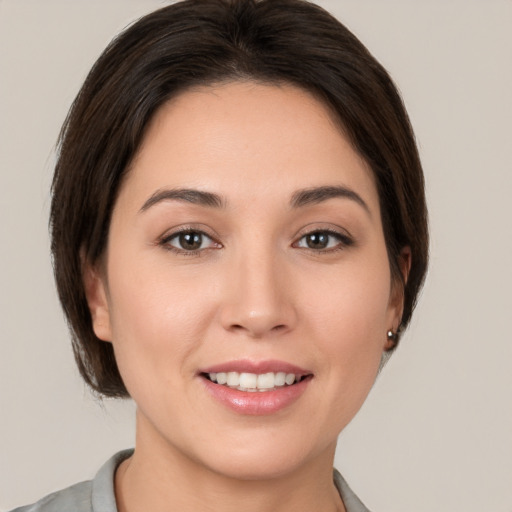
{"x":253,"y":140}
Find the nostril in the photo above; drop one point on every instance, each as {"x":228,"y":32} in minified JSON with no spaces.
{"x":257,"y":330}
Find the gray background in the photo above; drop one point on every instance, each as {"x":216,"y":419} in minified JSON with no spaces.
{"x":436,"y":432}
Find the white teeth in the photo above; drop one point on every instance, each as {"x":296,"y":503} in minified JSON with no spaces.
{"x":279,"y":379}
{"x":233,"y":379}
{"x":289,"y":379}
{"x":254,"y":382}
{"x":248,"y":380}
{"x":266,"y":381}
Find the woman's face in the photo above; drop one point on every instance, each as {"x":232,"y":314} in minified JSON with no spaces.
{"x":246,"y":243}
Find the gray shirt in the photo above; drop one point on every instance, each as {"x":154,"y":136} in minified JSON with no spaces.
{"x":97,"y":495}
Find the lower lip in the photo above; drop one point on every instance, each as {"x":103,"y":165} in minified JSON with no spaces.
{"x":257,"y":402}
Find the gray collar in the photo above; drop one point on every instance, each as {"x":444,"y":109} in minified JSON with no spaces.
{"x":103,"y":495}
{"x":350,"y":500}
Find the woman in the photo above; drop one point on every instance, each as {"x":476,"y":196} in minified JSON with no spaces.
{"x":239,"y":237}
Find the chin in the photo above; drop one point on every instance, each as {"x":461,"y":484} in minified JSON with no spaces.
{"x":265,"y":457}
{"x":256,"y":467}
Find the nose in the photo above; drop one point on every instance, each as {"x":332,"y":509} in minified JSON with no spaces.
{"x":258,"y":302}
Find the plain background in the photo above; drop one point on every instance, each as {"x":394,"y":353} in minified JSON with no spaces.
{"x":436,"y":431}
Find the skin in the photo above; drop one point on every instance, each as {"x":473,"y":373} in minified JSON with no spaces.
{"x":254,"y":290}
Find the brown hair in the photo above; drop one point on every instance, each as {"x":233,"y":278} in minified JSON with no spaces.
{"x":202,"y":42}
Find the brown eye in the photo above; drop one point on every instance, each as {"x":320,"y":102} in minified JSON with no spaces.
{"x":189,"y":241}
{"x":323,"y":240}
{"x":319,"y":240}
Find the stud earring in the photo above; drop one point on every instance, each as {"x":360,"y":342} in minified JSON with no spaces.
{"x":392,"y":336}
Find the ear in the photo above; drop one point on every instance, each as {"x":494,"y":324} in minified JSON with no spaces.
{"x":96,"y":295}
{"x":396,"y":299}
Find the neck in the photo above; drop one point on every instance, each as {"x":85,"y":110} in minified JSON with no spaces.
{"x":160,"y":478}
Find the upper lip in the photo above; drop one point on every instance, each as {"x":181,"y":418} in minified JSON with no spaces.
{"x":258,"y":367}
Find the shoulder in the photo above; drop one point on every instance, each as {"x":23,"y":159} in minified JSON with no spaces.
{"x":76,"y":498}
{"x":91,"y":496}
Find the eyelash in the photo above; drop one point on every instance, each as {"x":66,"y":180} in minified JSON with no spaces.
{"x":343,"y":241}
{"x":165,"y":241}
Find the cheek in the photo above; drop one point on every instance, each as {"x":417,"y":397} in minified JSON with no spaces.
{"x":352,"y":304}
{"x":157,"y":318}
{"x":350,"y":315}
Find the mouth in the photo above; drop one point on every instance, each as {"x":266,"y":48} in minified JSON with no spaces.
{"x":256,"y":382}
{"x":256,"y":387}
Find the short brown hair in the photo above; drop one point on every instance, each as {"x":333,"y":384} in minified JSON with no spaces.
{"x":202,"y":42}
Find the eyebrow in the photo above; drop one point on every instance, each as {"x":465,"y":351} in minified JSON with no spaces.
{"x":320,"y":194}
{"x":187,"y":195}
{"x":299,"y":199}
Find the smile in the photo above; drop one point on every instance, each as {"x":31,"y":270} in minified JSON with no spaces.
{"x":253,"y":382}
{"x":256,"y":387}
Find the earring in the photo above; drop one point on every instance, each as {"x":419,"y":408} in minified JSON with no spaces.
{"x":392,"y":336}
